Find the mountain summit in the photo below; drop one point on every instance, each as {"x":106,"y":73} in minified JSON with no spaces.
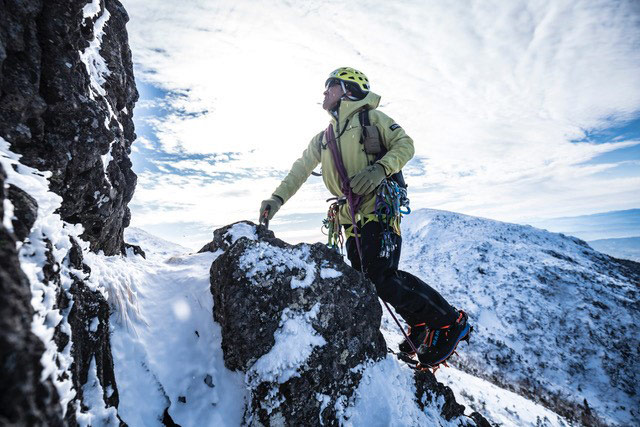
{"x":555,"y":319}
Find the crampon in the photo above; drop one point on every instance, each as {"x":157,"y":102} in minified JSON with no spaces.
{"x":411,"y":360}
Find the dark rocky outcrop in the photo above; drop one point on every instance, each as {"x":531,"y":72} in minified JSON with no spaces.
{"x":24,"y":399}
{"x":304,"y":300}
{"x":52,"y":115}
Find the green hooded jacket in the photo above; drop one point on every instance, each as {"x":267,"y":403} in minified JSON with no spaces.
{"x":397,"y":142}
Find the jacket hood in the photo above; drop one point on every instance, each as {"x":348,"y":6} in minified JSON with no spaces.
{"x":348,"y":108}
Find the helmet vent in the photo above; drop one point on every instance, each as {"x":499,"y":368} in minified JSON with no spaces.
{"x":358,"y":83}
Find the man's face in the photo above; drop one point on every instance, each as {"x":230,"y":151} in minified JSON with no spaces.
{"x":332,"y":95}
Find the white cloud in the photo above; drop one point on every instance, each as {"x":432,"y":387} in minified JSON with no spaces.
{"x":493,"y":94}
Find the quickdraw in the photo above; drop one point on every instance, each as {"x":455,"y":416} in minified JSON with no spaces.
{"x":391,"y":203}
{"x":335,"y":238}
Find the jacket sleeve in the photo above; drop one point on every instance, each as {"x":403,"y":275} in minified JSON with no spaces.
{"x":300,"y":170}
{"x":398,"y":143}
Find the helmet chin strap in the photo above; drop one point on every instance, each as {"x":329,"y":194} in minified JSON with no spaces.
{"x":344,"y":92}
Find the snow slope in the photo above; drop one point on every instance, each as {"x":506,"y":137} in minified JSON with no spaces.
{"x":159,"y":357}
{"x":167,"y":349}
{"x":168,"y":354}
{"x":545,"y":307}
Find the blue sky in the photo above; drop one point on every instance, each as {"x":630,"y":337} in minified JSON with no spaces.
{"x":519,"y":111}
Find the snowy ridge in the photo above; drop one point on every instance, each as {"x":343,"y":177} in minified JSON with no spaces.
{"x":154,"y":246}
{"x":543,"y":305}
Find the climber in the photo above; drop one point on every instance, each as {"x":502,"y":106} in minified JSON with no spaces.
{"x":435,"y":327}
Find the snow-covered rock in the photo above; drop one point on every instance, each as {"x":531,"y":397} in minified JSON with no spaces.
{"x":304,"y":327}
{"x":25,"y":397}
{"x":69,"y":312}
{"x":554,"y":320}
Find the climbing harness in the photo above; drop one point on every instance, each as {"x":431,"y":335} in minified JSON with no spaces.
{"x":354,"y":200}
{"x":391,"y":204}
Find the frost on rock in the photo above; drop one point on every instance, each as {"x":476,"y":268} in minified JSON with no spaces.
{"x":34,"y":256}
{"x":98,"y":71}
{"x":68,"y":79}
{"x":95,"y":64}
{"x":64,"y":307}
{"x":66,"y":69}
{"x":27,"y":397}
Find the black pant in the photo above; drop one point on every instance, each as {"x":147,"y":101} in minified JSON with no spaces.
{"x":412,"y":298}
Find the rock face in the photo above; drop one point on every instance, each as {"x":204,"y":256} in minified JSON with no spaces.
{"x":66,"y":101}
{"x":24,"y":399}
{"x":301,"y":324}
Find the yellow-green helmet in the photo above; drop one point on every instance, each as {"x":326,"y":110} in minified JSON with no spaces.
{"x":355,"y":80}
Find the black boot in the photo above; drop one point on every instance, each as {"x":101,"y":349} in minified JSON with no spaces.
{"x":441,"y":343}
{"x":417,"y":334}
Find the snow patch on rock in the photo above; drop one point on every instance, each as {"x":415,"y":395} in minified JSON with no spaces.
{"x":242,"y":230}
{"x":294,"y":342}
{"x":264,"y":256}
{"x":329,"y":273}
{"x":8,"y":214}
{"x":97,"y":414}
